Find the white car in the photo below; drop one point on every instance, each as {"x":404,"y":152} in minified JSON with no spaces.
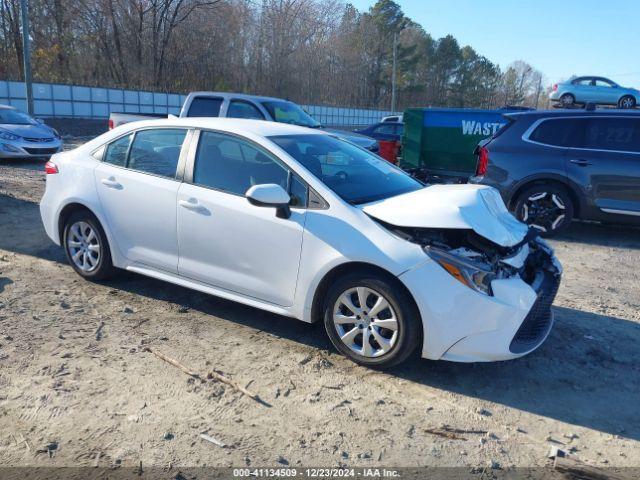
{"x":300,"y":223}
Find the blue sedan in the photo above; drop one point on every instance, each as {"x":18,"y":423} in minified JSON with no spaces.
{"x":390,"y":131}
{"x":598,"y":90}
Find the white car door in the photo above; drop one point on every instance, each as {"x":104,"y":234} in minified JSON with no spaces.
{"x":137,"y":186}
{"x":224,"y":240}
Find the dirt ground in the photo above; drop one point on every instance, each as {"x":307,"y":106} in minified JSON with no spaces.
{"x":78,"y":388}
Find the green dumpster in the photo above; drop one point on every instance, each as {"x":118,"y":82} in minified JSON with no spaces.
{"x":440,"y":141}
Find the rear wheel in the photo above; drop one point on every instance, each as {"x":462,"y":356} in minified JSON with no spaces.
{"x":627,"y":102}
{"x":370,"y":320}
{"x":548,"y":208}
{"x":567,"y":100}
{"x":86,"y":246}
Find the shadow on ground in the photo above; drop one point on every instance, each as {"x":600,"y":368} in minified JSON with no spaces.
{"x":587,"y":373}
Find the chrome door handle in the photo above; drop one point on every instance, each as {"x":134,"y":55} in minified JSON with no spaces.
{"x":580,"y":162}
{"x":111,"y":183}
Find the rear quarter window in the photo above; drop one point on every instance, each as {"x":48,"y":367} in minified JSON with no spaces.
{"x":615,"y":134}
{"x":560,"y":132}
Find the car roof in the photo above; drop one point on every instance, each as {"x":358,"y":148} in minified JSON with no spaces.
{"x":7,"y":107}
{"x":239,"y":126}
{"x":241,"y":96}
{"x":605,"y":112}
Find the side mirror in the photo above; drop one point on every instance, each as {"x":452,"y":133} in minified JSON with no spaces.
{"x":270,"y":195}
{"x":39,"y":120}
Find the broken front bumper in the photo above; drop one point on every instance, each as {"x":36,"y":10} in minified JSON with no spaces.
{"x":460,"y":324}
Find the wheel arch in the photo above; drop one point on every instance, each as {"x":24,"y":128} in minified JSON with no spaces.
{"x":547,"y":180}
{"x":630,"y":95}
{"x":76,"y":206}
{"x":351,"y":267}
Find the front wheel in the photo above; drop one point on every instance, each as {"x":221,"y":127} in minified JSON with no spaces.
{"x":548,"y":208}
{"x":627,"y":102}
{"x":86,"y":246}
{"x":371,"y":320}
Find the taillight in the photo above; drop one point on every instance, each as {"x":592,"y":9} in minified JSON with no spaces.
{"x":555,"y":87}
{"x":50,"y":168}
{"x":483,"y":161}
{"x":110,"y":124}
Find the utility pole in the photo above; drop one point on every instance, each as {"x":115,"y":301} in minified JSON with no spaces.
{"x":26,"y":53}
{"x":538,"y":90}
{"x":393,"y":74}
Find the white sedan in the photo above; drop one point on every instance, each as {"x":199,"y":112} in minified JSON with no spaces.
{"x":300,"y":223}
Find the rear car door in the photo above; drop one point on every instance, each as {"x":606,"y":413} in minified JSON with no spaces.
{"x":137,"y":183}
{"x":224,"y":240}
{"x":582,"y":89}
{"x":607,"y":164}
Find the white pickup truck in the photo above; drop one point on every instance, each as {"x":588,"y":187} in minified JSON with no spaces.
{"x":237,"y":105}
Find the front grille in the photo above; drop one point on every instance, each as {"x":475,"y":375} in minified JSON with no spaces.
{"x":31,"y":139}
{"x":41,"y":151}
{"x":537,"y":323}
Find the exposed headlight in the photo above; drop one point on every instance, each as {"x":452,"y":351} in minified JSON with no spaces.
{"x":474,"y":275}
{"x":8,"y":135}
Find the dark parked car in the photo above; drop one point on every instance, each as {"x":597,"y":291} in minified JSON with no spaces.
{"x":390,"y":131}
{"x":551,"y":167}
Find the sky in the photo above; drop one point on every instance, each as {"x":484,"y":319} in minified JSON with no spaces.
{"x":560,"y":38}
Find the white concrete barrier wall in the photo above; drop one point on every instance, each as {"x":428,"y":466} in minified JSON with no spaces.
{"x":69,"y":101}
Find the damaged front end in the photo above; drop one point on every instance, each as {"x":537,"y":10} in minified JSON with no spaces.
{"x":477,"y":262}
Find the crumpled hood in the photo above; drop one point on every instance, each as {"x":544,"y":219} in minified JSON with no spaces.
{"x":29,"y":131}
{"x":475,"y":207}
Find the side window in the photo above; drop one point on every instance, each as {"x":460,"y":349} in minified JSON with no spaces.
{"x":218,"y":165}
{"x":563,"y":132}
{"x":386,"y":129}
{"x":603,"y":83}
{"x":205,"y":107}
{"x":116,"y":153}
{"x":619,"y":134}
{"x":157,"y":151}
{"x":242,"y":109}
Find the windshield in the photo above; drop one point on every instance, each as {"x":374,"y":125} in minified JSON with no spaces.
{"x":14,"y":117}
{"x":353,"y":173}
{"x":289,"y":112}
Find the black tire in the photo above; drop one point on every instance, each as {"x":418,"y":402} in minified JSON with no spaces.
{"x":538,"y":216}
{"x":409,"y":325}
{"x":567,"y":100}
{"x":627,"y":102}
{"x":103,"y":268}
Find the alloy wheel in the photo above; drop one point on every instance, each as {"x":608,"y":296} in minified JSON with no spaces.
{"x":627,"y":102}
{"x":544,"y":211}
{"x":365,"y":322}
{"x":84,"y":246}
